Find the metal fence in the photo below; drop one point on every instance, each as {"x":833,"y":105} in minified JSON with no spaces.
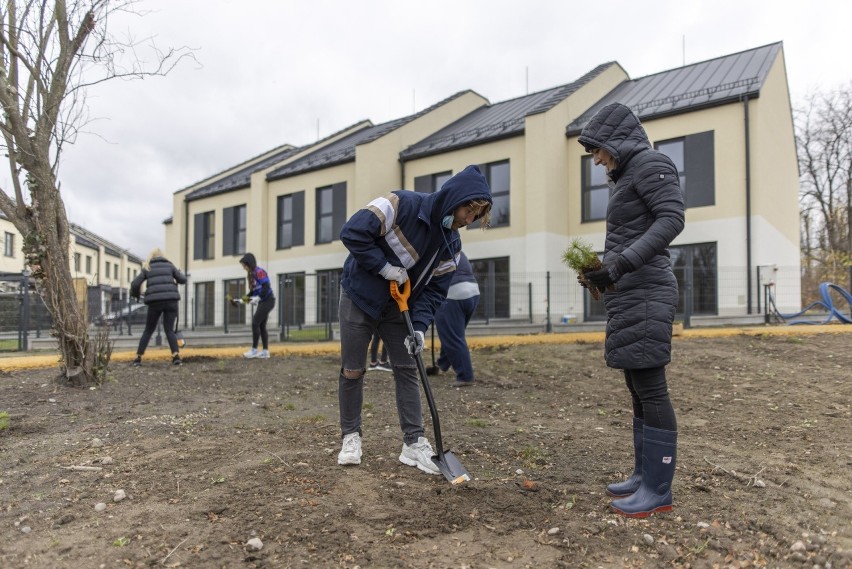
{"x":307,"y":303}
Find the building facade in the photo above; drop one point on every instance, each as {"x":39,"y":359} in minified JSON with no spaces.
{"x":102,"y":270}
{"x":727,"y":124}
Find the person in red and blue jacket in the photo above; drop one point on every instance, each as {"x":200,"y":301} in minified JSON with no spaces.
{"x":260,"y":295}
{"x":400,"y":236}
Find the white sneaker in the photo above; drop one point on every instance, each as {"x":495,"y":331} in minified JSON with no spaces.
{"x":263,"y":354}
{"x":419,"y":454}
{"x":350,"y":453}
{"x":252,"y":353}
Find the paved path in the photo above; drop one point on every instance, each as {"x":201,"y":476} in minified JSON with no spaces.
{"x":42,"y":360}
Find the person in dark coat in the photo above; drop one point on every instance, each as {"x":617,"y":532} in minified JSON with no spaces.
{"x":261,"y":296}
{"x":644,"y":214}
{"x":398,"y":237}
{"x":452,"y":319}
{"x":162,"y":298}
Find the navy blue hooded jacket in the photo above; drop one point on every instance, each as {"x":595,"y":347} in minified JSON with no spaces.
{"x":404,"y":228}
{"x":258,"y":278}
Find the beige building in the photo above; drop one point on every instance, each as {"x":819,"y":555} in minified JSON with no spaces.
{"x":726,"y":123}
{"x":103,"y":269}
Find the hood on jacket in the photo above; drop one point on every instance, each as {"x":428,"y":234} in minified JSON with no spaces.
{"x":249,"y":260}
{"x":618,"y":131}
{"x":468,"y":185}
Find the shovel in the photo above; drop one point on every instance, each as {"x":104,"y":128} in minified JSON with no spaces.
{"x":446,"y":462}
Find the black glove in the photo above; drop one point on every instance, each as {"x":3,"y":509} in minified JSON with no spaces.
{"x":602,"y":277}
{"x":608,"y":274}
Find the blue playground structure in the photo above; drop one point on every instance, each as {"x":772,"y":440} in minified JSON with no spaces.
{"x":826,"y":304}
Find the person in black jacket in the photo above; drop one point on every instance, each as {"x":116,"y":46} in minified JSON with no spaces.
{"x":644,"y":214}
{"x":162,"y":298}
{"x":452,"y":319}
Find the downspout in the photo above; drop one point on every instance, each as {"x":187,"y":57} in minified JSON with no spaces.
{"x":186,"y":262}
{"x":748,"y":203}
{"x":402,"y":173}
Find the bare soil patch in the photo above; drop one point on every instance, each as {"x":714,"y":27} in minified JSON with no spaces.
{"x":219,"y":451}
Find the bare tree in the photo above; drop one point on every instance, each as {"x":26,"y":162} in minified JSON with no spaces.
{"x":824,"y":143}
{"x":52,"y":50}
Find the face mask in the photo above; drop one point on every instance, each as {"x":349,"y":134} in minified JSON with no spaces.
{"x":447,"y":222}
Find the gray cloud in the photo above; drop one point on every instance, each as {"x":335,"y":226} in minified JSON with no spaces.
{"x":274,"y":72}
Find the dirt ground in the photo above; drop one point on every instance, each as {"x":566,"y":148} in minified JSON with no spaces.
{"x":220,"y":451}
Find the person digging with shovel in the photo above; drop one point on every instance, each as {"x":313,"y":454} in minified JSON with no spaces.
{"x":398,"y":237}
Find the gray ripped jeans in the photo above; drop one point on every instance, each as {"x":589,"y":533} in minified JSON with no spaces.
{"x":356,"y":332}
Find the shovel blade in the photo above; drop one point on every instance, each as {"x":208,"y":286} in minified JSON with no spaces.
{"x":452,"y":469}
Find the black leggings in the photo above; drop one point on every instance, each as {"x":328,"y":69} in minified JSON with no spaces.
{"x":169,"y":311}
{"x":258,"y":322}
{"x":650,"y":395}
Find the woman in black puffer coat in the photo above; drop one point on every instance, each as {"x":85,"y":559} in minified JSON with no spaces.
{"x":645,"y":213}
{"x":162,"y":298}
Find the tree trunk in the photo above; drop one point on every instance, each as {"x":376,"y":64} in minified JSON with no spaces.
{"x":46,"y":247}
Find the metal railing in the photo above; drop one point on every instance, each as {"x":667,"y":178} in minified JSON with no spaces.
{"x":307,"y":303}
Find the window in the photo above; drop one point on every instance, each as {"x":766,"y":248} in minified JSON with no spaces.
{"x":693,"y":157}
{"x":494,"y":286}
{"x":497,"y":174}
{"x":9,"y":245}
{"x":331,"y":212}
{"x":595,"y":190}
{"x":128,"y":274}
{"x":88,"y":264}
{"x":696,"y":271}
{"x":77,"y":259}
{"x":203,"y":235}
{"x":328,"y":294}
{"x":291,"y":220}
{"x":234,"y":230}
{"x":106,"y":270}
{"x":235,"y":288}
{"x":291,"y":287}
{"x":431,"y":183}
{"x":205,"y":304}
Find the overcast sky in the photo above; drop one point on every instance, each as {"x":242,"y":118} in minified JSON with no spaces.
{"x":271,"y":72}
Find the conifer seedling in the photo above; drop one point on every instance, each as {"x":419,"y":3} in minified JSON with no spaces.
{"x":582,"y":258}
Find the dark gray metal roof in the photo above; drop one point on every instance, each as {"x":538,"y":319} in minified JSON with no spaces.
{"x":242,"y":177}
{"x":496,"y":121}
{"x":706,"y":84}
{"x":343,"y":150}
{"x":337,"y":152}
{"x":92,"y":240}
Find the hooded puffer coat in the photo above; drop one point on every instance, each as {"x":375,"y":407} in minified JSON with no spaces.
{"x":403,"y":228}
{"x":644,"y":215}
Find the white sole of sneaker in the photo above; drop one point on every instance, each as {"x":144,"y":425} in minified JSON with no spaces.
{"x":348,"y":461}
{"x":410,"y":462}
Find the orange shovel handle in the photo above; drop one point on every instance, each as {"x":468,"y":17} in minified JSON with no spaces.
{"x":401,"y":295}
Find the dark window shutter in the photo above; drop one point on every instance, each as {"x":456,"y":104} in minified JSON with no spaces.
{"x":198,"y":236}
{"x":228,"y":228}
{"x":423,"y":184}
{"x":338,"y":217}
{"x":698,"y":158}
{"x":299,"y":218}
{"x":279,"y":218}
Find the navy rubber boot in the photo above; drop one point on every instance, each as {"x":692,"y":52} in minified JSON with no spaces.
{"x":659,"y":455}
{"x":629,"y":486}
